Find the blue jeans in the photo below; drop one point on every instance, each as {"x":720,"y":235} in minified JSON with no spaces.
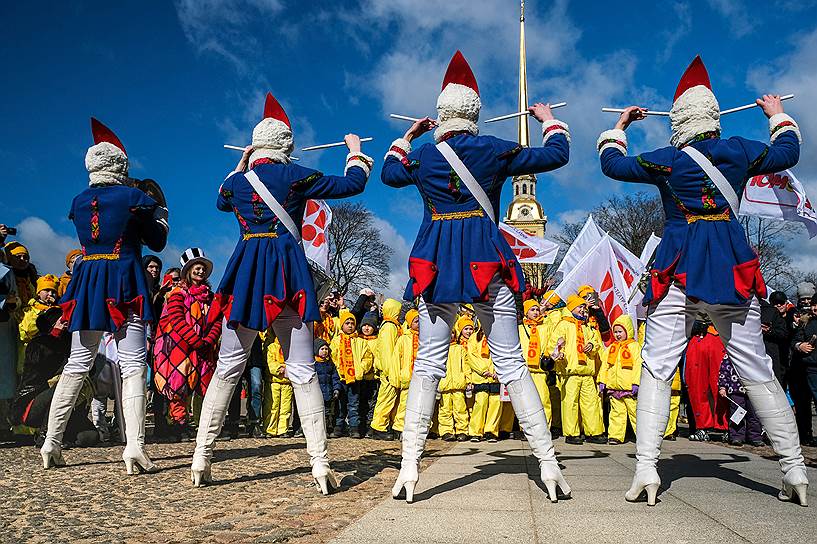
{"x":350,"y":406}
{"x":256,"y":384}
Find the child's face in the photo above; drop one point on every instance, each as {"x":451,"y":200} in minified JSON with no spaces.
{"x":348,"y":326}
{"x":323,"y":351}
{"x":467,"y":331}
{"x":619,"y":333}
{"x":367,"y":329}
{"x":415,"y":324}
{"x":533,"y":313}
{"x":47,"y":296}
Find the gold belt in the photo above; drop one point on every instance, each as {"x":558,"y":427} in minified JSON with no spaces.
{"x":251,"y":235}
{"x":716,"y":217}
{"x":101,"y":257}
{"x":457,"y":215}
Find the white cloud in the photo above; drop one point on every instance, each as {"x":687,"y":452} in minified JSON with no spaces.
{"x":399,"y":259}
{"x":219,"y":26}
{"x":740,"y":17}
{"x":46,"y":247}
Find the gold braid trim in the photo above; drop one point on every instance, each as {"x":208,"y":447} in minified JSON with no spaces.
{"x":250,"y":235}
{"x":101,"y":257}
{"x":715,"y":217}
{"x":457,"y":215}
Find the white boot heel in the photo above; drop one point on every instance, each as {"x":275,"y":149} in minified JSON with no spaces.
{"x":644,"y":482}
{"x":52,"y":459}
{"x":131,"y":467}
{"x":407,"y":482}
{"x":200,"y":477}
{"x":794,"y":493}
{"x":652,"y":493}
{"x":551,"y":476}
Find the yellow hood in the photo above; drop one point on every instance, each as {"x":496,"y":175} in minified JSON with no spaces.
{"x":391,"y":310}
{"x":627,"y":322}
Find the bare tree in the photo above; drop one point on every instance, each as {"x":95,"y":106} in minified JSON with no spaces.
{"x":630,"y":219}
{"x":358,"y":257}
{"x":769,"y":238}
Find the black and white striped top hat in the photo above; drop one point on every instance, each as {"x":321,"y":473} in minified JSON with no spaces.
{"x":192,"y":256}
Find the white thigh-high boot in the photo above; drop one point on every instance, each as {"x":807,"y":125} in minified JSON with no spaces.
{"x":213,"y":409}
{"x":652,"y":416}
{"x":773,"y":410}
{"x":309,"y":401}
{"x":133,"y":409}
{"x":531,"y":415}
{"x":422,"y":397}
{"x":62,"y":405}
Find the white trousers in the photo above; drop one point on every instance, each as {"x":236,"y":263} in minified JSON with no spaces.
{"x":669,"y":326}
{"x":498,"y":319}
{"x":130,"y":343}
{"x":294,"y":335}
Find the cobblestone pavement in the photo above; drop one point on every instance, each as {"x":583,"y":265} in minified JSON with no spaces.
{"x":263,"y":493}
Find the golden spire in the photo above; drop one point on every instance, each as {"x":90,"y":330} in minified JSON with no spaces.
{"x":524,"y":136}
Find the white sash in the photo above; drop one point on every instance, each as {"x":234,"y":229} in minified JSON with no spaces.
{"x":465,"y":175}
{"x":273,"y":205}
{"x":716,"y":176}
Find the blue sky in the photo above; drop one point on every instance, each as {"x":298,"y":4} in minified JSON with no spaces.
{"x":176,"y":80}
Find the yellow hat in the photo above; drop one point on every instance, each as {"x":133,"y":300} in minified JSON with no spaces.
{"x":71,"y":256}
{"x":410,"y":315}
{"x":463,"y":322}
{"x":49,"y":281}
{"x":346,"y":314}
{"x":16,"y":248}
{"x":550,"y":297}
{"x":528,"y":304}
{"x":585,"y":290}
{"x":626,"y":322}
{"x":574,"y":301}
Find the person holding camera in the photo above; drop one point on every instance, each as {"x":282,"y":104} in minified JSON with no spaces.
{"x":804,"y":360}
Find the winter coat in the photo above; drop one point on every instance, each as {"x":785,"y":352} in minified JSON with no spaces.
{"x":328,"y":378}
{"x":804,"y":333}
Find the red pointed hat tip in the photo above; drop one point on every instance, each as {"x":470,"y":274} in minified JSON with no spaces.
{"x":102,"y":133}
{"x":273,"y":110}
{"x":460,"y":72}
{"x":694,"y":75}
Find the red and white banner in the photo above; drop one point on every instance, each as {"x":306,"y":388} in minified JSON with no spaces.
{"x":610,"y":274}
{"x":527,"y":248}
{"x":588,"y":237}
{"x":317,"y":218}
{"x":779,"y":196}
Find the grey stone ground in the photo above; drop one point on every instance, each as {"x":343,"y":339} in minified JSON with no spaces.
{"x":489,"y":493}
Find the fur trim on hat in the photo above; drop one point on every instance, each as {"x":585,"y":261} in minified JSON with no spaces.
{"x":696,"y":111}
{"x":457,"y":110}
{"x":359,"y":159}
{"x":400,"y":148}
{"x":272,"y":139}
{"x":780,"y":123}
{"x":554,"y":126}
{"x":614,"y":138}
{"x":106,"y":163}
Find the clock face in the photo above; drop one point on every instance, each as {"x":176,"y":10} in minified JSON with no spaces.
{"x":524,"y":211}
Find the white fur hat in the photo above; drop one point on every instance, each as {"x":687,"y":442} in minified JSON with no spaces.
{"x":272,"y":137}
{"x":695,"y":109}
{"x":458,"y":104}
{"x":106,"y":161}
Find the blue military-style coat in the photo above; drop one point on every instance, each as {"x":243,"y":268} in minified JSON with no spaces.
{"x":268,"y":269}
{"x":459,"y":249}
{"x":112,"y":223}
{"x":704,"y":247}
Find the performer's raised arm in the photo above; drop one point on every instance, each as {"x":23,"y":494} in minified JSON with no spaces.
{"x":555,"y":150}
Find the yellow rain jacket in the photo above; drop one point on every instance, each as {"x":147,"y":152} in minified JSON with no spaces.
{"x":351,"y":356}
{"x":576,"y":334}
{"x":387,"y":362}
{"x":275,"y":358}
{"x":533,"y":339}
{"x":479,"y":360}
{"x":621,"y":361}
{"x":456,"y":370}
{"x":406,"y":353}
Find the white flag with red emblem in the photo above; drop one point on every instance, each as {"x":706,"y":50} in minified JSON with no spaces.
{"x":610,"y":274}
{"x":527,"y":248}
{"x":317,"y":218}
{"x":588,"y":237}
{"x":779,"y":196}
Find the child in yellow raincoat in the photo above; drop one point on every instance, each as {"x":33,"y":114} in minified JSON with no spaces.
{"x":487,"y":405}
{"x":574,"y":345}
{"x":452,"y":415}
{"x":354,"y":360}
{"x":674,"y":406}
{"x":532,"y":335}
{"x":388,"y":366}
{"x":44,"y":299}
{"x":619,"y":377}
{"x":278,"y":394}
{"x":552,"y":309}
{"x":405,"y":352}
